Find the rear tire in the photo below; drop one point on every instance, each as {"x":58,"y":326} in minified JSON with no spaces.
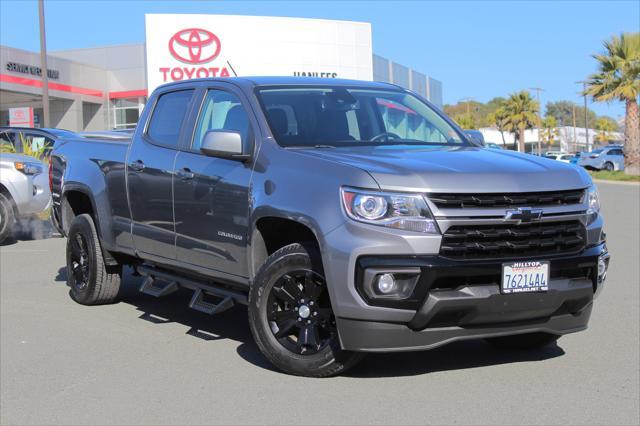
{"x":7,"y":218}
{"x":92,"y":282}
{"x":524,"y":341}
{"x":608,"y":166}
{"x":291,"y":318}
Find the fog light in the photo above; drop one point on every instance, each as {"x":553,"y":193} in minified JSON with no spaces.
{"x":395,"y":284}
{"x":386,"y":283}
{"x":603,"y":266}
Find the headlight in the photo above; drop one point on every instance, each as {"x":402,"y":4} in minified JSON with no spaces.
{"x":28,"y":168}
{"x":593,"y":200}
{"x":393,"y":210}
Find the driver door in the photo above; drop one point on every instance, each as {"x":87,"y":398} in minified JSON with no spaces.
{"x":211,"y":195}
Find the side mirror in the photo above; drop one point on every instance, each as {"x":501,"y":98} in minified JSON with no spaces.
{"x":223,"y":144}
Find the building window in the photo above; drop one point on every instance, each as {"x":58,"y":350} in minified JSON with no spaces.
{"x":126,"y":112}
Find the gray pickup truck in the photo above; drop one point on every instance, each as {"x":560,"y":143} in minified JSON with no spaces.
{"x":349,"y":216}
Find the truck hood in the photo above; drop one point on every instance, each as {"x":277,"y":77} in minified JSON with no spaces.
{"x":456,"y":169}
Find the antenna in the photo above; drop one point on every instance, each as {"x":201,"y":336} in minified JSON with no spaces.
{"x":234,"y":71}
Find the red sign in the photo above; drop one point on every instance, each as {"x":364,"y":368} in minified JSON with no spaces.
{"x":21,"y":117}
{"x":193,"y":46}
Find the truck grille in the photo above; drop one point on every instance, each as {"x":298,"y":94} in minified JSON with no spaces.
{"x":507,"y":200}
{"x":513,"y":241}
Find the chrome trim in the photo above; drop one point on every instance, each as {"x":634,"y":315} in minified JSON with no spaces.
{"x":446,"y":222}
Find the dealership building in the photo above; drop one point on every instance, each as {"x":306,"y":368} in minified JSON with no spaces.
{"x":106,"y":87}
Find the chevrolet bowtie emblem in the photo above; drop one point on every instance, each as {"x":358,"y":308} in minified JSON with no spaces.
{"x":523,"y":215}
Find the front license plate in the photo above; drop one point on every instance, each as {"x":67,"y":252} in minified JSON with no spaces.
{"x":525,"y":277}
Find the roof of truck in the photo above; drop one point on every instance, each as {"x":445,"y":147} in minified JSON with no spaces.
{"x":285,"y":81}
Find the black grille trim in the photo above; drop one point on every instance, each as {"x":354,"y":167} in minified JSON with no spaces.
{"x":528,"y":199}
{"x":513,"y":241}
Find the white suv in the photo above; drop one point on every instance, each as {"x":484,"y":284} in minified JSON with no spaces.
{"x":24,"y":190}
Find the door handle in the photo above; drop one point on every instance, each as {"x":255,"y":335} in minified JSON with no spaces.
{"x":185,"y":174}
{"x":137,"y":166}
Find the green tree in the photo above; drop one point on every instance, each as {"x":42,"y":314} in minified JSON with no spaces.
{"x":498,"y":119}
{"x":549,"y":131}
{"x":605,"y":126}
{"x":618,"y":78}
{"x":522,"y":114}
{"x":466,"y":121}
{"x":562,"y":111}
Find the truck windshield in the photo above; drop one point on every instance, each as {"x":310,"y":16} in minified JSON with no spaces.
{"x":338,"y":116}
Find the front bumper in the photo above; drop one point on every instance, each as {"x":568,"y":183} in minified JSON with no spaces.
{"x":462,"y":300}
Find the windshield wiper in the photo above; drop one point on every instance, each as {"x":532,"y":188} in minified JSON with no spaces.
{"x":309,"y":146}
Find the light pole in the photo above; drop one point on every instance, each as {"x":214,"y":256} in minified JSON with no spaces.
{"x":43,"y":66}
{"x":538,"y":90}
{"x":586,"y":113}
{"x":468,"y":100}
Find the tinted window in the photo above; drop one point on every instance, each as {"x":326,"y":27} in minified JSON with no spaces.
{"x":168,"y":117}
{"x":7,"y":141}
{"x":615,"y":152}
{"x":221,"y":111}
{"x":338,"y":116}
{"x":37,"y":142}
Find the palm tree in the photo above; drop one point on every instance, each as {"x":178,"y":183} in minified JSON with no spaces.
{"x":521,"y":114}
{"x":498,"y":118}
{"x":549,"y":131}
{"x":605,"y":126}
{"x":618,"y":78}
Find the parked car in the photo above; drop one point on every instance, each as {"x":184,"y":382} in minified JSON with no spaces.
{"x":565,"y":158}
{"x":492,"y":145}
{"x":610,"y":158}
{"x":14,"y":138}
{"x":24,"y":190}
{"x":349,"y":216}
{"x":553,"y":153}
{"x":576,"y":157}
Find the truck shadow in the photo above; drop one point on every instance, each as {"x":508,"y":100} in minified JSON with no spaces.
{"x":233,"y":324}
{"x":463,"y":355}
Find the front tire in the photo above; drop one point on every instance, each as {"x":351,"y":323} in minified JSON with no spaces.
{"x":7,"y":218}
{"x":524,"y":341}
{"x":291,"y":318}
{"x":608,"y":166}
{"x":91,"y":281}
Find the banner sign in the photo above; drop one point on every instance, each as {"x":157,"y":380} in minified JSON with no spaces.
{"x":180,"y":47}
{"x":21,"y":117}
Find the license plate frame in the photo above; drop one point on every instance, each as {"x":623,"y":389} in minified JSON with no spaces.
{"x":525,"y":277}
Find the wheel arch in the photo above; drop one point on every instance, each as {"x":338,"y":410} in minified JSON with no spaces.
{"x":272,"y":232}
{"x":4,"y":190}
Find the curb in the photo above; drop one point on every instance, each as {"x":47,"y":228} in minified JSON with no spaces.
{"x":616,"y":182}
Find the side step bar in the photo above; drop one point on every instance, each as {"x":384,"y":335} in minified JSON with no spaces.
{"x":158,"y":288}
{"x":161,"y":283}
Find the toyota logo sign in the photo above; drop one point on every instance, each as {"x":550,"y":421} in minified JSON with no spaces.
{"x":194,"y":46}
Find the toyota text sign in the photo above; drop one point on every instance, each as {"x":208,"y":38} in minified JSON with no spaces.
{"x":181,"y":47}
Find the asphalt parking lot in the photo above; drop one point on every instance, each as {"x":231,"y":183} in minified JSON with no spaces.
{"x":148,"y":361}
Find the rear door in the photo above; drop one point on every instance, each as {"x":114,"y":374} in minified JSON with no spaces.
{"x":212,"y":194}
{"x":616,"y":158}
{"x":150,"y":166}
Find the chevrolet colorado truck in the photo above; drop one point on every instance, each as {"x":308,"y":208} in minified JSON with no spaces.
{"x":349,"y":217}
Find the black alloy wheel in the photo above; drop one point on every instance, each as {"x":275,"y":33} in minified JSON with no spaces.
{"x":79,"y":261}
{"x":291,"y":316}
{"x":299,"y":313}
